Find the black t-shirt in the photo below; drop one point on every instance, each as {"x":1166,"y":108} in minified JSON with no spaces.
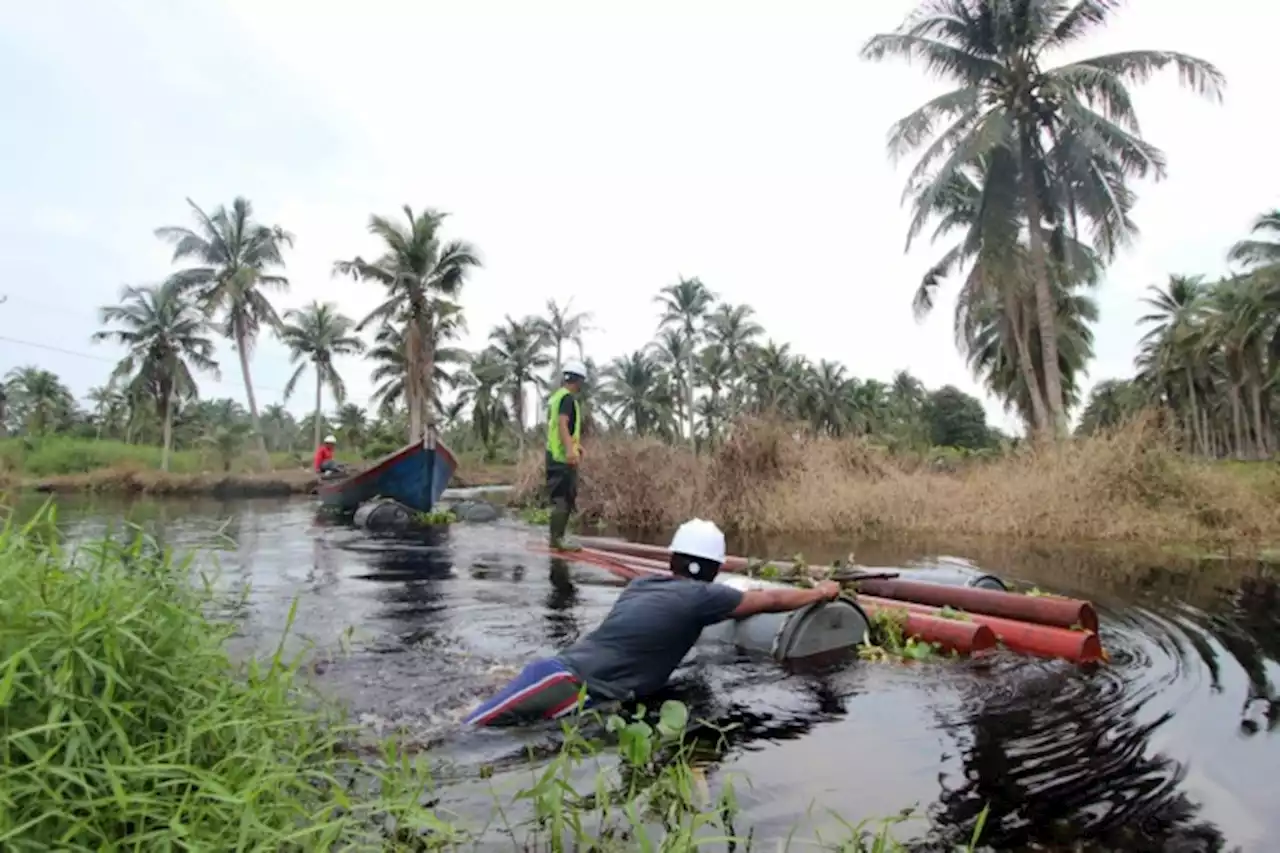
{"x":569,"y":409}
{"x":650,"y":629}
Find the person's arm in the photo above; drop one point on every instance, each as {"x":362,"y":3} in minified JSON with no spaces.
{"x":783,"y":599}
{"x":566,"y":435}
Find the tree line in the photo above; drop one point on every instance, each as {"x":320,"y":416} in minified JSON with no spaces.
{"x":1025,"y":173}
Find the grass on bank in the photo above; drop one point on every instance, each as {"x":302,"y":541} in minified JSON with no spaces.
{"x":1125,"y":486}
{"x":65,"y":463}
{"x":125,"y":725}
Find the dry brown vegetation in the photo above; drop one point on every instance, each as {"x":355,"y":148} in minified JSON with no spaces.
{"x":1128,"y":485}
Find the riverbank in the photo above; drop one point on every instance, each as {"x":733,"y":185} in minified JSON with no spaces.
{"x":1124,"y":487}
{"x":248,"y":756}
{"x":69,"y":465}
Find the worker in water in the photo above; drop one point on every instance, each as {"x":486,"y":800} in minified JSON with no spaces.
{"x":564,"y":450}
{"x":324,"y":462}
{"x":652,"y":626}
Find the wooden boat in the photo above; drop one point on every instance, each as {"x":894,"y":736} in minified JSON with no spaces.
{"x":415,"y":475}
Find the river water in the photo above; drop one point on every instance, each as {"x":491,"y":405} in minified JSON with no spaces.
{"x":1173,"y":746}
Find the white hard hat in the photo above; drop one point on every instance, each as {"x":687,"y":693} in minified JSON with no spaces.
{"x":699,"y":538}
{"x":572,"y":367}
{"x":329,"y":439}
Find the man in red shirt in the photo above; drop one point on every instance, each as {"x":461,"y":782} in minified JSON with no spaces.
{"x":324,"y":462}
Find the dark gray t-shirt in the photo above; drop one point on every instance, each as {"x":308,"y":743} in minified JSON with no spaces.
{"x":650,"y":629}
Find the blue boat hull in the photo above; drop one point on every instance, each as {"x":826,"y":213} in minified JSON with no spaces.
{"x":415,"y":475}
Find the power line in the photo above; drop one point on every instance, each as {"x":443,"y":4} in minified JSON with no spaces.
{"x":51,"y":348}
{"x":55,"y":349}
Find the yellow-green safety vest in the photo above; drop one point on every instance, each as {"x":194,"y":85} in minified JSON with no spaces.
{"x":555,"y":446}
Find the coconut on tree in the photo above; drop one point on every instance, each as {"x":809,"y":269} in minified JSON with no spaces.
{"x":165,"y":335}
{"x":235,"y":259}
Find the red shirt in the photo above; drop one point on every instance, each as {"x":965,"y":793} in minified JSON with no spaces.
{"x":323,"y":454}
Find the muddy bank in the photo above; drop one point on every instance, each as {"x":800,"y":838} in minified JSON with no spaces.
{"x":130,"y":481}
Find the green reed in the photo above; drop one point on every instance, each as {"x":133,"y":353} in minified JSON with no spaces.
{"x":126,"y":725}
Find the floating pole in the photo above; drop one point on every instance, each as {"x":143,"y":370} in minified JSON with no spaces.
{"x":1040,"y":640}
{"x":950,"y":634}
{"x":1042,"y":610}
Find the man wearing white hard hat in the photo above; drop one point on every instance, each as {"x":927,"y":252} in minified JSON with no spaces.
{"x":564,"y":449}
{"x":324,"y":463}
{"x":652,"y":626}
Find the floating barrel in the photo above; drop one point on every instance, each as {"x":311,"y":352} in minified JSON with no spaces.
{"x":949,"y":574}
{"x":383,"y":516}
{"x":824,"y":626}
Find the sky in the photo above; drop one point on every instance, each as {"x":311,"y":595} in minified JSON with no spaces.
{"x":593,"y":152}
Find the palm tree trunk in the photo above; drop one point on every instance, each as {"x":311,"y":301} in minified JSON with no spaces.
{"x":1196,"y":435}
{"x":517,"y":409}
{"x":1026,"y":365}
{"x":688,"y":396}
{"x":167,"y":441}
{"x":1259,"y":437}
{"x":1235,"y":419}
{"x":316,"y":417}
{"x":427,"y":401}
{"x":1046,"y":309}
{"x":253,"y":402}
{"x":413,"y":381}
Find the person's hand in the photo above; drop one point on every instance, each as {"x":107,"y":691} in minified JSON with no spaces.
{"x":573,"y":456}
{"x":829,"y":590}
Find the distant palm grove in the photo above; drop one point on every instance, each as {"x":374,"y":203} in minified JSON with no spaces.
{"x":1024,"y":171}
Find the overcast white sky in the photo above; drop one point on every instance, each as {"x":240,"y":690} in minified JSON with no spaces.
{"x":593,"y":151}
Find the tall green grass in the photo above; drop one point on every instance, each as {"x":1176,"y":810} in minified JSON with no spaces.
{"x":125,"y":725}
{"x":55,"y":455}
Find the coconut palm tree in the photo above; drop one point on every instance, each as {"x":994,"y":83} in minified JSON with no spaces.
{"x":561,"y":325}
{"x":480,"y":390}
{"x":234,"y":258}
{"x":1070,"y":132}
{"x":416,"y":268}
{"x":684,"y":306}
{"x":520,"y":346}
{"x":640,"y":394}
{"x":353,"y":425}
{"x":38,"y":398}
{"x":280,"y":427}
{"x":1260,"y":253}
{"x":315,"y":335}
{"x":165,"y":335}
{"x":390,"y":357}
{"x":1173,"y":349}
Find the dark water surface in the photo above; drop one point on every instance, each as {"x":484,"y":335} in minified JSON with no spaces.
{"x":1174,"y":746}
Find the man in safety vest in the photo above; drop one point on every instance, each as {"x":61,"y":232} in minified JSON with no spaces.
{"x":564,"y":450}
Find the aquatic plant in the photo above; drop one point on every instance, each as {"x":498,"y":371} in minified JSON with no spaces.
{"x":539,"y":515}
{"x":437,"y":516}
{"x":888,"y":639}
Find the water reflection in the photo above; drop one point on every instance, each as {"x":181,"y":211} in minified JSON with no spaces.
{"x":1171,"y":747}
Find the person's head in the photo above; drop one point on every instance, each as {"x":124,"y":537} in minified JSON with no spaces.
{"x":574,"y":374}
{"x":330,"y":440}
{"x":697,"y":550}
